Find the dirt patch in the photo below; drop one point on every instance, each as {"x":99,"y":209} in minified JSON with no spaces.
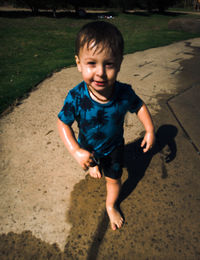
{"x":25,"y":246}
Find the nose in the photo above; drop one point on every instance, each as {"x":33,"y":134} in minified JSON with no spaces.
{"x":100,"y":71}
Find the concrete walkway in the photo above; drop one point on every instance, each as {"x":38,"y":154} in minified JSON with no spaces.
{"x":49,"y":210}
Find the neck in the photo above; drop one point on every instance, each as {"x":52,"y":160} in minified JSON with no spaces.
{"x":101,"y":97}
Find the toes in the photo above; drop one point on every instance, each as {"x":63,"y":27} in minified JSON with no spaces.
{"x":94,"y":175}
{"x":116,"y":220}
{"x":113,"y":226}
{"x":117,"y":224}
{"x":121,"y":223}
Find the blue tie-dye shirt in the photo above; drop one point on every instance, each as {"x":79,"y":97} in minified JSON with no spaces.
{"x":100,"y":125}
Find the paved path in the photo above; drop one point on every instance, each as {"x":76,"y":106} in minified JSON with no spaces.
{"x":46,"y":199}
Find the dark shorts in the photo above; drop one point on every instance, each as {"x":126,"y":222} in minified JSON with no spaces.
{"x":112,"y":164}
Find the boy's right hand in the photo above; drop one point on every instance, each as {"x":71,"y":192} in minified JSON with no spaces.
{"x":84,"y":158}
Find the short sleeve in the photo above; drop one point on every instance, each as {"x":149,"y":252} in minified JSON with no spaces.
{"x":67,"y":113}
{"x":135,"y":102}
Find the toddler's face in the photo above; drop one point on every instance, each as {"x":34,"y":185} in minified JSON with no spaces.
{"x":99,"y":67}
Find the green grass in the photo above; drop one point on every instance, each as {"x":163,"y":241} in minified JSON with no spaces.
{"x":34,"y":47}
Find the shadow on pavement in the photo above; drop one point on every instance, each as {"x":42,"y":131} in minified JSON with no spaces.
{"x":27,"y":246}
{"x":137,"y":162}
{"x":87,"y":208}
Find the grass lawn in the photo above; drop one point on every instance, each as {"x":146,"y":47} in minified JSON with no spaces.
{"x":33,"y":47}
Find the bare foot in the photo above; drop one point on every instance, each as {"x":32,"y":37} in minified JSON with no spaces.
{"x":116,"y":219}
{"x":94,"y":172}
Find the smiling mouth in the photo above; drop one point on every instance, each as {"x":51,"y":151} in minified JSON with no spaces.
{"x":100,"y":83}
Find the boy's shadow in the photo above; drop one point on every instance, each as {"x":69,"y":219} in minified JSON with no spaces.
{"x":137,"y":162}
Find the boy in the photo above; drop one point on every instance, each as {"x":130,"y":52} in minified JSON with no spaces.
{"x":99,"y":105}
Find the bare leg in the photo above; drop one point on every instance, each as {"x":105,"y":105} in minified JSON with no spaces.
{"x":113,"y":189}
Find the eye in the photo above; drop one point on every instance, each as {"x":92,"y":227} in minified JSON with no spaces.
{"x":91,"y":63}
{"x":110,"y":64}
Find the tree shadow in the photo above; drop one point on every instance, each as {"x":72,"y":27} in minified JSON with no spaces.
{"x":59,"y":14}
{"x":139,"y":13}
{"x":137,"y":162}
{"x":15,"y":14}
{"x":150,"y":13}
{"x":26,"y":14}
{"x":168,"y":13}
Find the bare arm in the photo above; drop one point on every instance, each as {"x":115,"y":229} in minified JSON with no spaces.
{"x":83,"y":157}
{"x":145,"y":118}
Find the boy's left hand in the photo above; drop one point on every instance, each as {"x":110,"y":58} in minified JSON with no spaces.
{"x":148,"y":141}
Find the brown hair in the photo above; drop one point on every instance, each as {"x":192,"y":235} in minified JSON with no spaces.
{"x":103,"y":33}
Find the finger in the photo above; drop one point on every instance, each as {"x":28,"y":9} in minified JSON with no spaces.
{"x":143,"y":142}
{"x":92,"y":155}
{"x":91,"y":162}
{"x":99,"y":175}
{"x":85,"y":167}
{"x":146,"y":149}
{"x":90,"y":158}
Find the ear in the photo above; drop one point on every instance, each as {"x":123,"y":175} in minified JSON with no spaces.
{"x":78,"y":63}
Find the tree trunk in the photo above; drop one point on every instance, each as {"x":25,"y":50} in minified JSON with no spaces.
{"x":54,"y":12}
{"x":35,"y":10}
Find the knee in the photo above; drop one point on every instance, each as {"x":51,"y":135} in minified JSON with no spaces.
{"x":113,"y":181}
